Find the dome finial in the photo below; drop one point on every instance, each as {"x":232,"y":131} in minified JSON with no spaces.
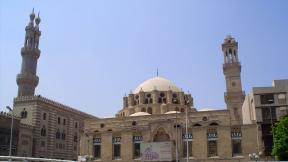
{"x":157,"y":73}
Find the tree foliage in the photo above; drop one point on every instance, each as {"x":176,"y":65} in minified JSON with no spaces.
{"x":280,"y":138}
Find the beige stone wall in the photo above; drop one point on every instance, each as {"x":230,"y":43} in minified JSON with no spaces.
{"x":149,"y":126}
{"x":250,"y":141}
{"x":25,"y":142}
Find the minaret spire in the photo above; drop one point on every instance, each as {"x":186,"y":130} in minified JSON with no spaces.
{"x":234,"y":96}
{"x":27,"y":80}
{"x":157,"y":73}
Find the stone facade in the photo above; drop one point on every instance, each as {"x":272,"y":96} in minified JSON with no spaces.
{"x":156,"y":111}
{"x":56,"y":127}
{"x":150,"y":126}
{"x":264,"y":106}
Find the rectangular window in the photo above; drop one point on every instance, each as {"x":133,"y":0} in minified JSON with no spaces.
{"x":282,"y":98}
{"x":267,"y":99}
{"x":189,"y":149}
{"x":136,"y":152}
{"x":187,"y":139}
{"x":212,"y":148}
{"x":269,"y":114}
{"x":136,"y":146}
{"x":97,"y":151}
{"x":97,"y":148}
{"x":236,"y":136}
{"x":212,"y":138}
{"x":116,"y":141}
{"x":236,"y":147}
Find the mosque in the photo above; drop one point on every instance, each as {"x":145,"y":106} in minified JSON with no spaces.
{"x":159,"y":115}
{"x":158,"y":121}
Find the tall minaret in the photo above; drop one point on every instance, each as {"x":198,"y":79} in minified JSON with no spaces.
{"x":234,"y":96}
{"x":27,"y":80}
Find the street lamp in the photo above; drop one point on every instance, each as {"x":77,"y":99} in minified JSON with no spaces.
{"x":11,"y":133}
{"x":187,"y":102}
{"x":176,"y":136}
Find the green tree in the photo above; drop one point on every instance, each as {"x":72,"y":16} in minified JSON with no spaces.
{"x":280,"y":138}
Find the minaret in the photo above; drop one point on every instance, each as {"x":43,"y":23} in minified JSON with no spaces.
{"x":27,"y":80}
{"x":234,"y":96}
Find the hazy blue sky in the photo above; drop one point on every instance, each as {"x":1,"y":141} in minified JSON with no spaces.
{"x":93,"y":52}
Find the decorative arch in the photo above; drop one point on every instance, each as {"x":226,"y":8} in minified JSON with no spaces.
{"x":213,"y":124}
{"x":161,"y":135}
{"x":197,"y":125}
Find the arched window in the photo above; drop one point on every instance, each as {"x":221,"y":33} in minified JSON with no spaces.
{"x":76,"y":124}
{"x":43,"y":131}
{"x":162,"y":98}
{"x":63,"y":136}
{"x":75,"y":138}
{"x":44,"y":116}
{"x":59,"y":120}
{"x":230,"y":56}
{"x":182,"y":110}
{"x":149,"y":110}
{"x":143,"y":109}
{"x":175,"y":99}
{"x":159,"y":100}
{"x":58,"y":134}
{"x":146,"y":101}
{"x":23,"y":114}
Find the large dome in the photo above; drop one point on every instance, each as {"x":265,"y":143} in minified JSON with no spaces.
{"x":157,"y":83}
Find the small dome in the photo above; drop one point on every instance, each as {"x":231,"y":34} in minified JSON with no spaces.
{"x":172,"y":112}
{"x":140,"y":114}
{"x":157,"y":83}
{"x":207,"y":109}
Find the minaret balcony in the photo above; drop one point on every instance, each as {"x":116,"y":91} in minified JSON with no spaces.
{"x":27,"y":78}
{"x":30,"y":51}
{"x":232,"y":64}
{"x":234,"y":96}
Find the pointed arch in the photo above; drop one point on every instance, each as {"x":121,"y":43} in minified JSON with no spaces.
{"x":213,"y":124}
{"x":161,"y":135}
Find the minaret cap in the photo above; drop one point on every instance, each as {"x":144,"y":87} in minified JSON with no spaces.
{"x":229,"y":39}
{"x":32,"y":16}
{"x":38,"y":20}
